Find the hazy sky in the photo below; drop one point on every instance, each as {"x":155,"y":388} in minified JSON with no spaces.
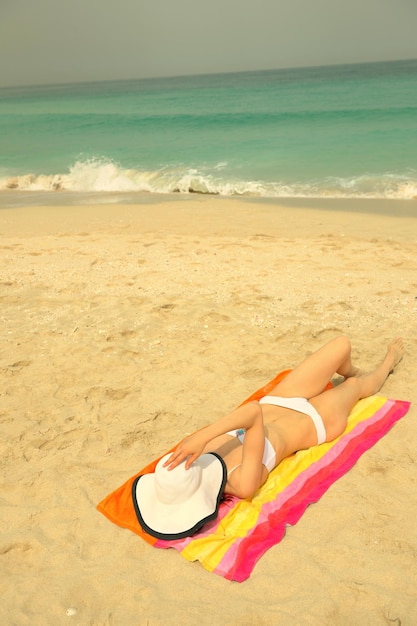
{"x":53,"y":41}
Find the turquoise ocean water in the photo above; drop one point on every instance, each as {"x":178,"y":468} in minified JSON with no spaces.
{"x":339,"y":131}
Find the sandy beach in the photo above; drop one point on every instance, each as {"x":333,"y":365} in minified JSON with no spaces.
{"x":124,"y":327}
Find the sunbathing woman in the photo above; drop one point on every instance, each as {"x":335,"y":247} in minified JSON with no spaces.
{"x":252,"y":440}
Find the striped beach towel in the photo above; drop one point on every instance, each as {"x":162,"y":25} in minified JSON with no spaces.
{"x":231,"y":545}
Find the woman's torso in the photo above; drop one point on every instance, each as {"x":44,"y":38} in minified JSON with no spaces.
{"x":286,"y":429}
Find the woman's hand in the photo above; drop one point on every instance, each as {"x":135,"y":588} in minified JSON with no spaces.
{"x":189,"y":448}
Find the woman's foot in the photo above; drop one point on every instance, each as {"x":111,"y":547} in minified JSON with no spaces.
{"x":395,"y":353}
{"x":371,"y":383}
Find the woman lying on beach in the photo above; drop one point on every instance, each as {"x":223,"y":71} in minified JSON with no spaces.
{"x":235,"y":454}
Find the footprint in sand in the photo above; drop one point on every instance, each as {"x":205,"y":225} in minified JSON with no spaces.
{"x":59,"y":442}
{"x":164,"y":307}
{"x":14,"y":368}
{"x":18,"y":546}
{"x":215,"y":317}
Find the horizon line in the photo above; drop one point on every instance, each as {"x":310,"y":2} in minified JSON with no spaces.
{"x":195,"y":75}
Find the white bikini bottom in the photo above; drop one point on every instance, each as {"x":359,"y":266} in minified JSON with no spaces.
{"x":302,"y":405}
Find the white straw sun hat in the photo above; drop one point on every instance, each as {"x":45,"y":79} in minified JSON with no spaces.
{"x":174,"y":504}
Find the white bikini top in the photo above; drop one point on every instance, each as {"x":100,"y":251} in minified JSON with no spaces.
{"x":269,"y":457}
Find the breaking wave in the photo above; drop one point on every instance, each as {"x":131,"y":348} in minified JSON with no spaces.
{"x":99,"y":175}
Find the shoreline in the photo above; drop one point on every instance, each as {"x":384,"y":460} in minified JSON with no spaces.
{"x":406,"y":207}
{"x":127,"y":326}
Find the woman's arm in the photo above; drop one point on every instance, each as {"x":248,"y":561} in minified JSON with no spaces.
{"x":248,"y":416}
{"x":251,"y":473}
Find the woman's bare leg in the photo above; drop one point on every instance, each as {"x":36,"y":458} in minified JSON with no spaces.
{"x":311,"y":376}
{"x":336,"y":404}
